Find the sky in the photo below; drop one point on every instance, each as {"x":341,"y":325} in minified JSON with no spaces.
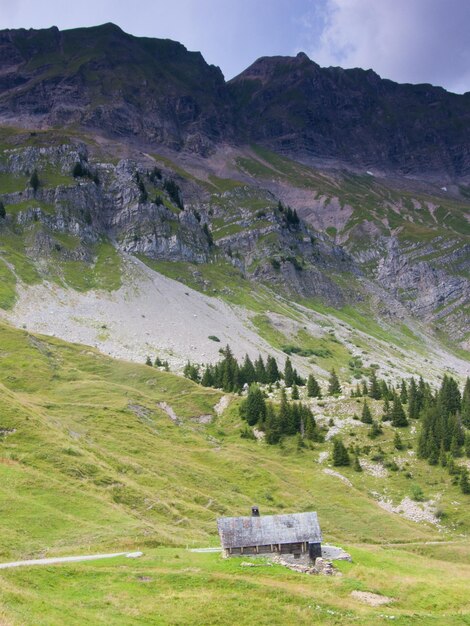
{"x":405,"y":40}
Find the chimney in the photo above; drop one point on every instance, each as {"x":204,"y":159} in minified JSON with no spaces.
{"x":254,"y":511}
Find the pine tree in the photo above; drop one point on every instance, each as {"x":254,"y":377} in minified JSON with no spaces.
{"x":449,"y":398}
{"x":288,"y":373}
{"x":403,"y":392}
{"x":3,"y":212}
{"x":365,"y":391}
{"x":340,"y":454}
{"x":442,"y":455}
{"x":366,"y":416}
{"x":374,"y":387}
{"x":413,"y":403}
{"x":148,"y":361}
{"x":191,"y":371}
{"x":284,"y":413}
{"x":455,"y":447}
{"x":375,"y":430}
{"x":295,"y":392}
{"x":397,"y":442}
{"x":272,"y":371}
{"x":398,"y":414}
{"x":247,"y":372}
{"x":229,"y":371}
{"x":334,"y":387}
{"x":253,"y":408}
{"x":386,"y":417}
{"x":465,"y":405}
{"x":357,"y":467}
{"x":433,"y":457}
{"x":260,"y":370}
{"x":34,"y":181}
{"x":207,"y":379}
{"x":451,"y":468}
{"x":313,"y":388}
{"x":467,"y":445}
{"x":464,"y":482}
{"x":310,"y":427}
{"x":272,"y":427}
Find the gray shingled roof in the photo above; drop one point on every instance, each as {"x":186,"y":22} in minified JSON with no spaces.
{"x":236,"y":532}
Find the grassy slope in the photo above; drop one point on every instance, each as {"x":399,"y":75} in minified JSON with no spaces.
{"x":92,"y":463}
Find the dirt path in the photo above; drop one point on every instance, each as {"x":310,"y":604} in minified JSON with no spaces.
{"x":69,"y":559}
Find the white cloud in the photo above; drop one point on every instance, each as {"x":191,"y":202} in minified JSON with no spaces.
{"x":405,"y":40}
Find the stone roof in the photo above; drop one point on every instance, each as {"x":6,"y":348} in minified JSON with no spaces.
{"x":236,"y":532}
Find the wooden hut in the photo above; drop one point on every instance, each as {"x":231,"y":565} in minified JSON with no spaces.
{"x":294,"y":533}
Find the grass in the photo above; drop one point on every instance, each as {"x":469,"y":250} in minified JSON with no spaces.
{"x":90,"y":462}
{"x":7,"y":286}
{"x":171,"y":586}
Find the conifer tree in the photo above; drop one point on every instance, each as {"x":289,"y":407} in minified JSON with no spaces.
{"x":375,"y":430}
{"x":433,"y":457}
{"x":247,"y":372}
{"x":260,"y":370}
{"x":288,"y":373}
{"x":451,"y":468}
{"x":386,"y":417}
{"x":253,"y":408}
{"x":398,"y":414}
{"x":455,"y":447}
{"x":295,"y":392}
{"x":207,"y":379}
{"x":313,"y":388}
{"x":310,"y":429}
{"x":442,"y":455}
{"x":340,"y":454}
{"x":467,"y":445}
{"x":229,"y":371}
{"x":374,"y":387}
{"x":465,"y":405}
{"x":366,"y":416}
{"x":403,"y":392}
{"x":272,"y":427}
{"x":384,"y":390}
{"x":464,"y":482}
{"x":284,"y":412}
{"x":397,"y":442}
{"x":3,"y":212}
{"x":148,"y":361}
{"x":34,"y":181}
{"x":365,"y":390}
{"x":272,"y":371}
{"x":334,"y":387}
{"x":413,"y":401}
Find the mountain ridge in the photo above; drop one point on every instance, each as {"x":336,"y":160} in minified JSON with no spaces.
{"x":156,"y":91}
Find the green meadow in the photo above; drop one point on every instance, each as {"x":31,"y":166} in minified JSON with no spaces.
{"x":91,"y":462}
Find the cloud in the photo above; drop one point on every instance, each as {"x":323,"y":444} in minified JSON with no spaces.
{"x":405,"y":40}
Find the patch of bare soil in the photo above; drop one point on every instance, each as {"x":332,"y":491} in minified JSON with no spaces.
{"x":372,"y":599}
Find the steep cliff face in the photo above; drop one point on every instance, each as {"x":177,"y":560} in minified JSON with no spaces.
{"x":104,"y":79}
{"x":353,"y":116}
{"x":118,"y":202}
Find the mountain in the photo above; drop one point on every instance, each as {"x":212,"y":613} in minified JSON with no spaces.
{"x":151,"y":215}
{"x":157,"y":92}
{"x":102,"y":78}
{"x":176,"y":165}
{"x":353,"y":116}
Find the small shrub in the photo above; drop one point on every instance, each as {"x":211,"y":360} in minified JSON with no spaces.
{"x":417,"y":493}
{"x":214,"y":338}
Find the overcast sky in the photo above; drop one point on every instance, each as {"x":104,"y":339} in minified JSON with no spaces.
{"x":405,"y":40}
